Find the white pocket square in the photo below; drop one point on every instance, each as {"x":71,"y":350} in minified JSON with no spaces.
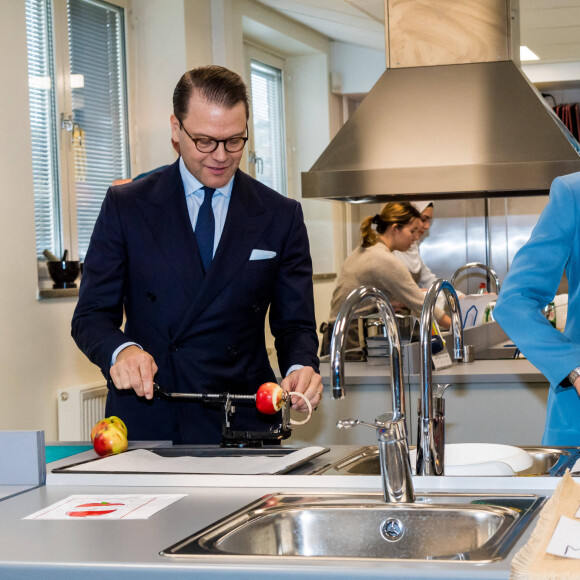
{"x":262,"y":255}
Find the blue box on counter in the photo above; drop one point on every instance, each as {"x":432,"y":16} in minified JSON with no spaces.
{"x":22,"y":458}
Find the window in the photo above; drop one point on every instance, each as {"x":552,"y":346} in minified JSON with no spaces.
{"x":78,"y":116}
{"x":268,"y":157}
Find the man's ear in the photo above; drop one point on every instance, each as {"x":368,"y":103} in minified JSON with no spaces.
{"x":175,"y":128}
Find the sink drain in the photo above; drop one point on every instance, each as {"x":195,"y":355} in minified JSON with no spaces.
{"x":392,"y":529}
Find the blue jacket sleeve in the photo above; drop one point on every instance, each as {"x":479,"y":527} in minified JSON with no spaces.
{"x":536,"y":271}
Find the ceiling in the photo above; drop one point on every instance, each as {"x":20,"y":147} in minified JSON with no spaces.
{"x":551,"y":28}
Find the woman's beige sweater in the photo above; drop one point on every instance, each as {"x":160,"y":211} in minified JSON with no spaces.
{"x":377,"y":266}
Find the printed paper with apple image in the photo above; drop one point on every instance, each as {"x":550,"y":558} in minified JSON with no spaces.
{"x":106,"y":507}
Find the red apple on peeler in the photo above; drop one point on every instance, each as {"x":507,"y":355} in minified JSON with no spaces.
{"x":269,"y":398}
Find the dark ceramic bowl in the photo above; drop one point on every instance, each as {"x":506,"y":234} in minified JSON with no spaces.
{"x":64,"y":273}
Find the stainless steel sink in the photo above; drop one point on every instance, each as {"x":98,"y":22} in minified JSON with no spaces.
{"x":551,"y":461}
{"x":439,"y":526}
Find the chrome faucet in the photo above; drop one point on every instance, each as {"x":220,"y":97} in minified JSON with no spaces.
{"x":492,"y":274}
{"x":431,"y":423}
{"x":391,"y":428}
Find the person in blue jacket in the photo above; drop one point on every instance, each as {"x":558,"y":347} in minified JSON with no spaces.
{"x":536,"y":271}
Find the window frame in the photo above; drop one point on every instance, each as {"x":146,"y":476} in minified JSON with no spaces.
{"x":267,"y":57}
{"x":64,"y":111}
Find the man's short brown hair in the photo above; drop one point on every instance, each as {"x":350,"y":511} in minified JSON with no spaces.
{"x":216,"y":84}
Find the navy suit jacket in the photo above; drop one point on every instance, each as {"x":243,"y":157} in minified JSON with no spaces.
{"x":205,"y":331}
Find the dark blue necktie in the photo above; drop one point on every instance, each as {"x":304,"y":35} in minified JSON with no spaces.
{"x":205,"y":229}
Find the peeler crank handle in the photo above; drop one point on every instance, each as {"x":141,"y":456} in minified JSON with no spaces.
{"x":202,"y":396}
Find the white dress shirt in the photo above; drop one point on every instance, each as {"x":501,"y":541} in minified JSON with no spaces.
{"x":194,"y":196}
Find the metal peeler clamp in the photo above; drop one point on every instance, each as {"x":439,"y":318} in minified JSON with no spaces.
{"x":230,"y":437}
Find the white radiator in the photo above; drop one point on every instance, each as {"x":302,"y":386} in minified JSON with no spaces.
{"x":79,"y":408}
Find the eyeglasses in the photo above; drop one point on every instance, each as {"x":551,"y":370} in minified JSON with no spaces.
{"x":207,"y":145}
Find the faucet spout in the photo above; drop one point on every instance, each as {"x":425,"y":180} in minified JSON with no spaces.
{"x":431,"y":424}
{"x":491,"y":273}
{"x":391,"y":428}
{"x":339,"y":339}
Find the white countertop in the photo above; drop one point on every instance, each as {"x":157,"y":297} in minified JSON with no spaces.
{"x":302,"y":481}
{"x":61,"y":550}
{"x":54,"y":549}
{"x":7,"y":491}
{"x":65,"y":549}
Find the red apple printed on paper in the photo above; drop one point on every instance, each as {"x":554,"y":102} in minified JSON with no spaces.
{"x":101,"y":503}
{"x":95,"y":509}
{"x":89,"y":513}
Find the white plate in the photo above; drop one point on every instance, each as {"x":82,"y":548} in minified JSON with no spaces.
{"x":482,"y":459}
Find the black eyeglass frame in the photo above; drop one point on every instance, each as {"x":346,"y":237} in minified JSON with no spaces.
{"x":217,"y":141}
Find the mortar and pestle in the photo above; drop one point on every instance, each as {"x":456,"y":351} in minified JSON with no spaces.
{"x":62,"y":271}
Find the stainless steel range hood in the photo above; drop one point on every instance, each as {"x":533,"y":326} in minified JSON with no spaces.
{"x":469,"y":130}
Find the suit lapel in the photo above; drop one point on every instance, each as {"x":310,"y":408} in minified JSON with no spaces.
{"x":245,"y":222}
{"x":164,"y":209}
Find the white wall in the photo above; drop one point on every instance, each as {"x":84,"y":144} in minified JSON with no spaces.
{"x":37,"y":354}
{"x":165,"y":38}
{"x":156,"y":31}
{"x":552,"y":73}
{"x":356,"y":68}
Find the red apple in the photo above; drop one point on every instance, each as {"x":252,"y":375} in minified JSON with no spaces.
{"x":109,"y":440}
{"x":269,"y":398}
{"x":98,"y":426}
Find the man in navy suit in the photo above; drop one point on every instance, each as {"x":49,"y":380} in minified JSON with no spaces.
{"x":195,"y":311}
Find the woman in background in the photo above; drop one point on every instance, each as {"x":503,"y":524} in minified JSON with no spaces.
{"x":419,"y":271}
{"x":374,"y":264}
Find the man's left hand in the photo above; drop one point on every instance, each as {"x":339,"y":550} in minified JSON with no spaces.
{"x":307,"y":382}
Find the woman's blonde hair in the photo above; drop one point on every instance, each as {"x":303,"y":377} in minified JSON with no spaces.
{"x":393,"y":213}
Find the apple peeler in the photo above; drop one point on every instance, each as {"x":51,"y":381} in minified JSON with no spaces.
{"x":231,"y":437}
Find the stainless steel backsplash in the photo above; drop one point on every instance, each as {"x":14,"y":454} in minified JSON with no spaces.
{"x":489,"y":231}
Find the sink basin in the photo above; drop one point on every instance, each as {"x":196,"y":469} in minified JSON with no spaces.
{"x":439,"y":526}
{"x":482,"y":459}
{"x":545,"y":461}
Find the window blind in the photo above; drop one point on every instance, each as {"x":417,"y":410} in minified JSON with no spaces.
{"x":100,"y":151}
{"x":268,"y":117}
{"x":43,"y":126}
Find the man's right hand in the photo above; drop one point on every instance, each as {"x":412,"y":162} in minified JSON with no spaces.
{"x":134,"y":369}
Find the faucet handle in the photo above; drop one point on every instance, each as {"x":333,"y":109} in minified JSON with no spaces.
{"x":389,"y":427}
{"x":393,"y":448}
{"x":440,"y":390}
{"x":349,"y":423}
